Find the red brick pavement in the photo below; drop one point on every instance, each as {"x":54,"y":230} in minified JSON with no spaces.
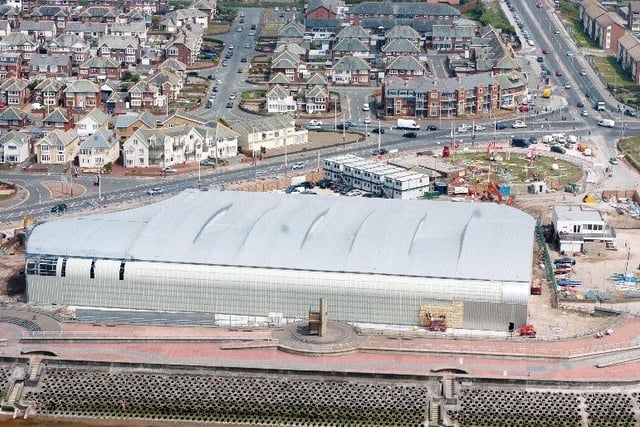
{"x":561,"y":360}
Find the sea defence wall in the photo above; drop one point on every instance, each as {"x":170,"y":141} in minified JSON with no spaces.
{"x":58,"y":388}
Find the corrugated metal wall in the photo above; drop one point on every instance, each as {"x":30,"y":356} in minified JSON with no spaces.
{"x":257,"y":292}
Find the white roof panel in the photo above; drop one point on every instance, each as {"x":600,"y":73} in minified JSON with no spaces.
{"x":480,"y":241}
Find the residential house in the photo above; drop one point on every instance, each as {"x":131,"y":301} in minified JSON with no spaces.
{"x":57,"y":119}
{"x":104,"y":14}
{"x":91,"y":122}
{"x":14,"y":92}
{"x":628,"y":56}
{"x":403,"y":32}
{"x":169,"y":83}
{"x":150,"y":7}
{"x":600,"y":25}
{"x":44,"y":66}
{"x":143,"y":96}
{"x":11,"y":15}
{"x":127,"y":124}
{"x":207,"y":6}
{"x":82,"y":95}
{"x":163,"y":147}
{"x":633,"y":16}
{"x":399,"y":48}
{"x":57,"y":147}
{"x":220,"y":142}
{"x":292,"y":32}
{"x":487,"y":54}
{"x":123,"y":49}
{"x":10,"y":65}
{"x":13,"y":118}
{"x":185,"y":46}
{"x":49,"y":93}
{"x":70,"y":45}
{"x":58,"y":14}
{"x":350,"y":70}
{"x":288,"y":65}
{"x":455,"y":36}
{"x":269,"y":132}
{"x":41,"y":31}
{"x":474,"y":95}
{"x":322,"y":9}
{"x":19,"y":43}
{"x":100,"y":68}
{"x":90,"y":31}
{"x":98,"y":149}
{"x":405,"y":67}
{"x":408,"y":11}
{"x":581,"y":229}
{"x":350,"y":47}
{"x":129,"y":29}
{"x":316,"y":99}
{"x":190,"y":17}
{"x":279,"y":100}
{"x":175,"y":66}
{"x":14,"y":147}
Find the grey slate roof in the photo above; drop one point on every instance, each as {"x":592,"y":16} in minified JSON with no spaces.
{"x":97,"y":115}
{"x":119,"y":42}
{"x":327,"y":4}
{"x":82,"y":86}
{"x":279,"y":78}
{"x":260,"y":124}
{"x":16,"y":137}
{"x":462,"y":241}
{"x":12,"y":114}
{"x":102,"y":138}
{"x":49,"y":85}
{"x":323,"y":23}
{"x":404,"y":9}
{"x":351,"y":63}
{"x":402,"y":32}
{"x":406,"y":63}
{"x":99,"y":62}
{"x":44,"y":59}
{"x":350,"y":45}
{"x":353,"y":32}
{"x":401,"y":46}
{"x":58,"y":115}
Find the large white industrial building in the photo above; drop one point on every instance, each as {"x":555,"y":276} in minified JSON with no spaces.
{"x":268,"y":255}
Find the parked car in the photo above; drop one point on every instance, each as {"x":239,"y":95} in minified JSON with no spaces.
{"x":365,"y":107}
{"x":580,"y":104}
{"x":613,"y":160}
{"x":167,"y":169}
{"x":565,"y":260}
{"x":381,"y":151}
{"x":559,"y":73}
{"x":630,"y":113}
{"x":315,"y":122}
{"x":367,"y":120}
{"x":59,"y":208}
{"x":207,"y":162}
{"x":500,"y":126}
{"x":410,"y":135}
{"x":432,"y":128}
{"x":584,"y":113}
{"x":243,"y":59}
{"x":297,"y":165}
{"x":524,"y":108}
{"x":225,"y":63}
{"x":323,"y":183}
{"x":558,"y":149}
{"x":567,"y":86}
{"x":377,"y":130}
{"x":545,"y":51}
{"x":154,"y":191}
{"x":229,"y":105}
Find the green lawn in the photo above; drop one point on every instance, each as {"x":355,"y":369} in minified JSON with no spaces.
{"x":578,"y":34}
{"x":217,"y":29}
{"x":630,"y":147}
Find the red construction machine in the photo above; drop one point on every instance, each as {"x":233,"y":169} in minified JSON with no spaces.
{"x":527,"y":331}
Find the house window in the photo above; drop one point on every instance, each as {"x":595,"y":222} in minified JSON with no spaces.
{"x":45,"y":158}
{"x":141,"y":161}
{"x":104,"y":49}
{"x":44,"y":147}
{"x":60,"y":157}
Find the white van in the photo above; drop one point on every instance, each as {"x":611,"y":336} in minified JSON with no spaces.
{"x":572,"y":139}
{"x":530,"y":43}
{"x":547,"y":139}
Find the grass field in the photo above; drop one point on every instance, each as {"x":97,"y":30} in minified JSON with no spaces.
{"x":514,"y":168}
{"x":630,"y":147}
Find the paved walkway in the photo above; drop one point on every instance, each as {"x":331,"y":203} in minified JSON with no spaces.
{"x":401,"y":354}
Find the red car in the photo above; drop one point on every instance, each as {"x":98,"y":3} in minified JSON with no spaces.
{"x":524,"y":108}
{"x":558,"y":73}
{"x":545,"y":51}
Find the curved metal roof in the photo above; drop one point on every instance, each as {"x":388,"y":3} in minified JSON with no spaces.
{"x":480,"y":241}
